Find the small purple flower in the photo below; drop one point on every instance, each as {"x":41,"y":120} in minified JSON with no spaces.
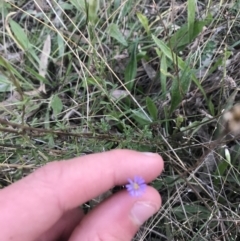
{"x":136,"y":187}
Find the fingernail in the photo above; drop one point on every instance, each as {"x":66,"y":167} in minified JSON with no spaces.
{"x":150,"y":153}
{"x":141,"y":211}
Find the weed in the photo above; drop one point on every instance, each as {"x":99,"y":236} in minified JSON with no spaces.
{"x":81,"y":77}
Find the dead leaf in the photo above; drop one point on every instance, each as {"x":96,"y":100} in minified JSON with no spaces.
{"x":151,"y":73}
{"x":119,"y":94}
{"x":44,"y":61}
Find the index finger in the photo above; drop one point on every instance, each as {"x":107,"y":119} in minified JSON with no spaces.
{"x":41,"y":198}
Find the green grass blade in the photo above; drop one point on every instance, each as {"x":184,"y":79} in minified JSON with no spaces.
{"x":176,"y":95}
{"x":20,"y":35}
{"x":93,"y":7}
{"x":56,"y":105}
{"x":5,"y":84}
{"x":180,"y":39}
{"x":191,"y":18}
{"x":152,"y":108}
{"x":168,"y":53}
{"x":115,"y":33}
{"x":131,"y":69}
{"x":22,"y":39}
{"x":177,"y":61}
{"x":144,"y":21}
{"x":163,"y":77}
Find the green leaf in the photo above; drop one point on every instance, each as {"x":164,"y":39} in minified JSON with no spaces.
{"x":61,"y":45}
{"x":115,"y":33}
{"x":93,"y":7}
{"x":37,"y":76}
{"x":46,"y":120}
{"x":152,"y":109}
{"x":4,"y":8}
{"x":163,"y":76}
{"x":185,"y":81}
{"x":179,"y":88}
{"x":56,"y":105}
{"x":140,"y":117}
{"x":169,"y":53}
{"x":222,"y":167}
{"x":181,"y":84}
{"x":191,"y":18}
{"x":180,"y":39}
{"x":144,"y":21}
{"x":219,"y":62}
{"x":5,"y":84}
{"x":176,"y":95}
{"x":131,"y":69}
{"x":211,"y":107}
{"x":79,"y":5}
{"x":126,"y":9}
{"x":191,"y":209}
{"x":12,"y":73}
{"x":22,"y":39}
{"x":20,"y":35}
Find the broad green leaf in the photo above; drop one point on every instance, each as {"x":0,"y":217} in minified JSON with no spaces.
{"x":170,"y":54}
{"x":219,"y":62}
{"x":5,"y":84}
{"x":4,"y":8}
{"x":79,"y":5}
{"x":163,"y":76}
{"x":12,"y":72}
{"x":176,"y":95}
{"x":46,"y":119}
{"x":211,"y":107}
{"x":93,"y":81}
{"x":235,"y":156}
{"x":116,"y":4}
{"x":56,"y":105}
{"x":140,"y":117}
{"x":181,"y":65}
{"x":152,"y":109}
{"x":51,"y":142}
{"x":22,"y":39}
{"x":60,"y":45}
{"x":38,"y":76}
{"x":115,"y":33}
{"x":144,"y":21}
{"x":66,"y":6}
{"x":191,"y":18}
{"x":191,"y":209}
{"x":179,"y":121}
{"x":222,"y":167}
{"x":180,"y":39}
{"x":20,"y":35}
{"x":131,"y":69}
{"x":126,"y":9}
{"x":93,"y":7}
{"x":181,"y":83}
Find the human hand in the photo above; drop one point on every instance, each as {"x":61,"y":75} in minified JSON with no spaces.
{"x":44,"y":205}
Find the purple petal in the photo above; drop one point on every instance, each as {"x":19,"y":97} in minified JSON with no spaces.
{"x":141,"y":184}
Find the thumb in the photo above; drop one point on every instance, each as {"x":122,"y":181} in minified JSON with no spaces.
{"x":118,"y":218}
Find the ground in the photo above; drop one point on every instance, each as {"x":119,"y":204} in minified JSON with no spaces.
{"x":81,"y":76}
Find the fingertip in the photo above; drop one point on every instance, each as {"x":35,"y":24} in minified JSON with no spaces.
{"x":119,"y":217}
{"x":147,"y":164}
{"x":145,"y":207}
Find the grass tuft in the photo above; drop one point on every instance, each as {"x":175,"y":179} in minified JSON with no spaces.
{"x":82,"y":77}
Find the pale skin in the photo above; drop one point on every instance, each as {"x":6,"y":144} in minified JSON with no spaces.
{"x":44,"y":206}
